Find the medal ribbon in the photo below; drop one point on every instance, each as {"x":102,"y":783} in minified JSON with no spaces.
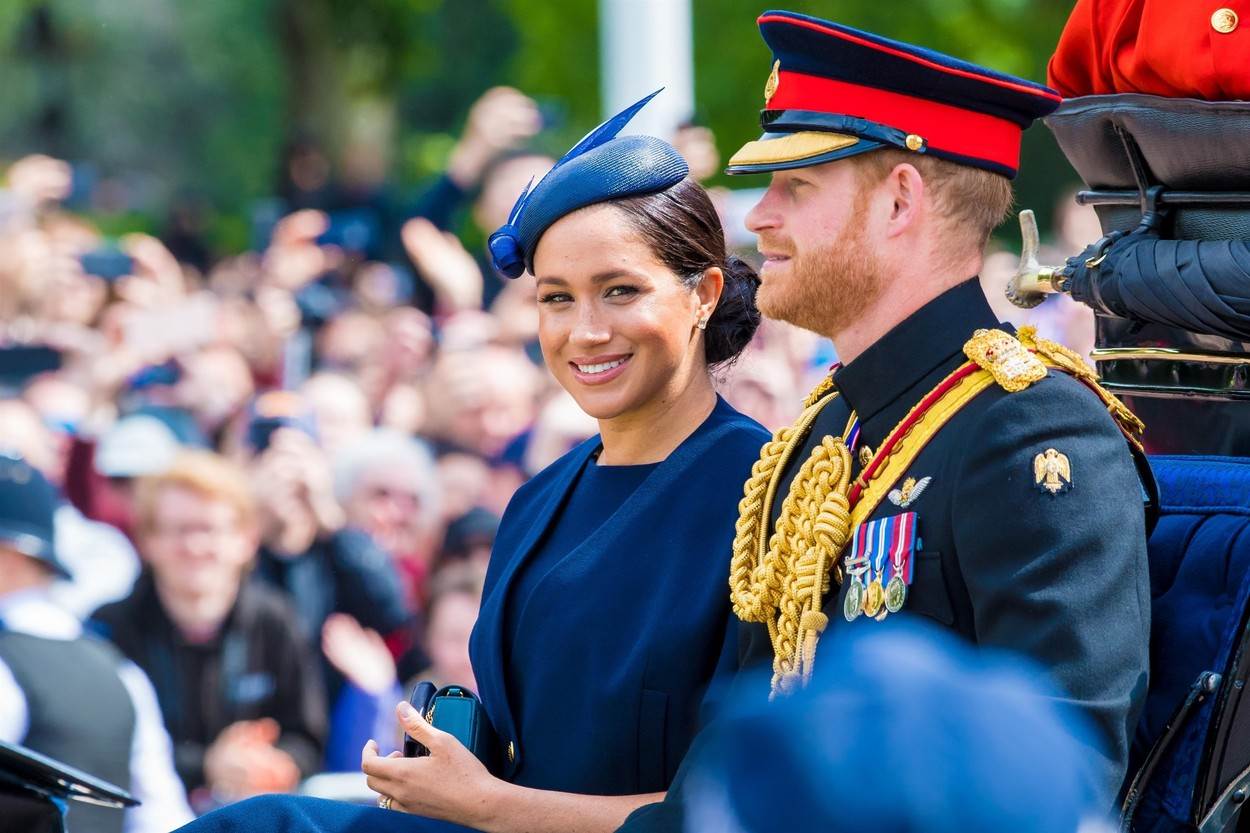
{"x":902,"y":544}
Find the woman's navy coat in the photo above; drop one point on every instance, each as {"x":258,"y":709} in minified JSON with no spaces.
{"x":629,"y":630}
{"x":629,"y":626}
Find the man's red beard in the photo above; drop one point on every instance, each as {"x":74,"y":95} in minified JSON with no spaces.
{"x":827,"y":288}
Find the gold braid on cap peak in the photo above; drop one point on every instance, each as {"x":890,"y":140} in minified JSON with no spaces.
{"x":780,"y":580}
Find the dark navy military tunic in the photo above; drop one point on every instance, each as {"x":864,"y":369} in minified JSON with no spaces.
{"x":1061,"y":577}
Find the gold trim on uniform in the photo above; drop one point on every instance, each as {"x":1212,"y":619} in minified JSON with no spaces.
{"x":1013,"y":367}
{"x":791,"y":147}
{"x":779,"y":580}
{"x":1071,"y":361}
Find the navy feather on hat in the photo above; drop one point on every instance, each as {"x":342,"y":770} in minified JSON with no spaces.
{"x":599,"y":168}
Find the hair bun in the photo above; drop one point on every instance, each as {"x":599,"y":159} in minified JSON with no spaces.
{"x":736,"y":318}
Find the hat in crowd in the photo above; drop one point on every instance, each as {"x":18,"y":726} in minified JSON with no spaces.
{"x":599,"y":168}
{"x":477,"y":527}
{"x":835,"y":92}
{"x":27,"y":506}
{"x":136,"y":445}
{"x":903,"y":728}
{"x":180,"y":421}
{"x":278,"y":409}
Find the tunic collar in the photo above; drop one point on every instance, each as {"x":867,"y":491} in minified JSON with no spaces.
{"x":905,"y":355}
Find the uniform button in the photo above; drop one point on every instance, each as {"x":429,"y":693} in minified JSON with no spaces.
{"x":1224,"y":21}
{"x":511,"y":752}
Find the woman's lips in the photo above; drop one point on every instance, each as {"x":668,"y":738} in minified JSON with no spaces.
{"x":599,"y":370}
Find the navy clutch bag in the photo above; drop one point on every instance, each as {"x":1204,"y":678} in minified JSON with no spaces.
{"x":456,"y":710}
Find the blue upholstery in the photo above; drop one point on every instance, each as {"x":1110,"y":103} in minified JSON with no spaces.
{"x":1199,"y":570}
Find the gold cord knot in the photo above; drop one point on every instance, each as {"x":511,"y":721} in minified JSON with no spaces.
{"x":779,"y":580}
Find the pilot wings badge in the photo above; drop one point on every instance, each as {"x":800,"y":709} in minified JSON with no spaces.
{"x":907,"y":494}
{"x":1052,"y":472}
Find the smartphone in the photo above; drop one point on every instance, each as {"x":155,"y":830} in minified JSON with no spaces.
{"x":107,"y":262}
{"x":422,"y":694}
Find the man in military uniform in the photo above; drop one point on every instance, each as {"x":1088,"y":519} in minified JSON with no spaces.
{"x":949,"y":467}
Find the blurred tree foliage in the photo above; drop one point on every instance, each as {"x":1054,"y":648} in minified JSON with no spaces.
{"x":170,"y":98}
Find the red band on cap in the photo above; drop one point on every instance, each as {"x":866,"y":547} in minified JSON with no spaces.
{"x":942,"y":126}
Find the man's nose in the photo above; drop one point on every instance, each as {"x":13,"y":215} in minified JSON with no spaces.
{"x":763,"y":215}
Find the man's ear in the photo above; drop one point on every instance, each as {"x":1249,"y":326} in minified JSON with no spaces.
{"x":906,"y":189}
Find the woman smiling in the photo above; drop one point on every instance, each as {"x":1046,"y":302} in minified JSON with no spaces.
{"x":605,"y":615}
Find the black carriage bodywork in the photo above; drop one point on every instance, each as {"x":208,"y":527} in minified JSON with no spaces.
{"x":1183,"y":166}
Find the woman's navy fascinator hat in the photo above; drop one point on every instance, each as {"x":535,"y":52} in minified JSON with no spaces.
{"x":599,"y":168}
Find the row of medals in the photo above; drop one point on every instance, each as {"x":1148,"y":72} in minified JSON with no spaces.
{"x":871,"y":598}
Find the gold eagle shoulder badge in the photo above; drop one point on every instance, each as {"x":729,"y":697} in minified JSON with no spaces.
{"x":1052,"y":472}
{"x":909,"y":492}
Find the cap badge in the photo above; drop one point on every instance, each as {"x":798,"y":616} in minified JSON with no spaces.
{"x":908,"y":493}
{"x":1052,"y":472}
{"x":774,"y":81}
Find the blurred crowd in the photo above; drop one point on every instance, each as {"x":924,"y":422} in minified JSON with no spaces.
{"x":281,"y":471}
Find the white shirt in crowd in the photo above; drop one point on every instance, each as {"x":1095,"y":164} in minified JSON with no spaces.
{"x":153,"y":780}
{"x":100,"y":558}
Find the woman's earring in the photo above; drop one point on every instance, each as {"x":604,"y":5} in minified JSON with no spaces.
{"x":702,"y":323}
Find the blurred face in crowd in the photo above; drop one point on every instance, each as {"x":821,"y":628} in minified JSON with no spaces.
{"x":480,"y":399}
{"x":386,"y":504}
{"x":617,"y":326}
{"x":503,"y":185}
{"x":216,"y":384}
{"x":339,"y":407}
{"x":820,"y":267}
{"x":349,"y":340}
{"x":452,"y":617}
{"x":50,"y":279}
{"x":196,"y":545}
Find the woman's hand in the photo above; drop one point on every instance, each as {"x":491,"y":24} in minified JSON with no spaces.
{"x":450,"y":784}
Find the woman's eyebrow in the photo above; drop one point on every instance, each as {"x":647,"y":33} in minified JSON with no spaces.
{"x":602,"y":277}
{"x":611,"y":274}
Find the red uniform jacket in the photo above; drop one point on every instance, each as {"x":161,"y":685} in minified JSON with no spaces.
{"x":1172,"y":48}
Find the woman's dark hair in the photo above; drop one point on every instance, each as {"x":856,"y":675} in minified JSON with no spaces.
{"x":682,"y":228}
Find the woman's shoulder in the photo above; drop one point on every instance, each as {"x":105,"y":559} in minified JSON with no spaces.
{"x":733,"y":432}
